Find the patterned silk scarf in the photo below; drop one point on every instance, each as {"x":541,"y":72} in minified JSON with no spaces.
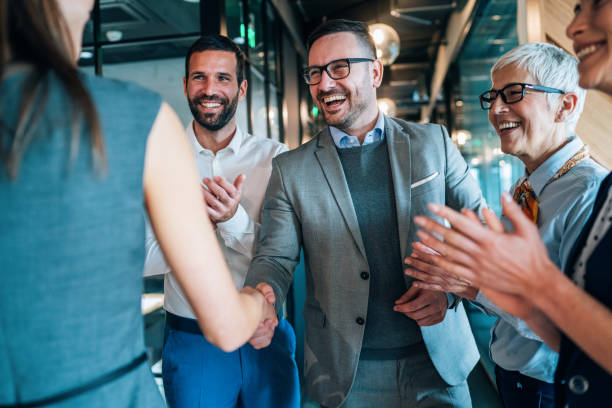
{"x":526,"y":197}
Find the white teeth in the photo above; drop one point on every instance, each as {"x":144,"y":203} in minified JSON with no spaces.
{"x":210,"y":104}
{"x":508,"y":125}
{"x":587,"y":50}
{"x":332,"y":98}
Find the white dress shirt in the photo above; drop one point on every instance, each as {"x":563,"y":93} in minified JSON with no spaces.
{"x":245,"y":154}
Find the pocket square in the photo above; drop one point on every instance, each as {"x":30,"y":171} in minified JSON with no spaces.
{"x":425,"y":180}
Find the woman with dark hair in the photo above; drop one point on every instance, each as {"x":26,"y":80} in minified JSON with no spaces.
{"x":514,"y":271}
{"x":79,"y":154}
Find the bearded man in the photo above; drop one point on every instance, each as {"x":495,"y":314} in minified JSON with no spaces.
{"x":196,"y":373}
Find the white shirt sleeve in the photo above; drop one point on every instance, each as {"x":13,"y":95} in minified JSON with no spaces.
{"x":519,"y":325}
{"x":155,"y":263}
{"x":239,"y":232}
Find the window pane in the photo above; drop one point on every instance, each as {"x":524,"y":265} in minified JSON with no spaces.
{"x":258,"y":104}
{"x":272,"y":37}
{"x":255,"y":35}
{"x":236,"y":29}
{"x":274,"y":115}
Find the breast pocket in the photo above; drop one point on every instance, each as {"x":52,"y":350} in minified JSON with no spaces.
{"x":425,"y":184}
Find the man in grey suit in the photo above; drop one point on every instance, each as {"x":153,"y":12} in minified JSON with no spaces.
{"x":347,"y":198}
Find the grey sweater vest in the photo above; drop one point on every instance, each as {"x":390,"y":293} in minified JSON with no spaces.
{"x":388,"y":334}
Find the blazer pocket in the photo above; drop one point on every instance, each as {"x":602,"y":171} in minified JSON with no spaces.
{"x":423,"y":181}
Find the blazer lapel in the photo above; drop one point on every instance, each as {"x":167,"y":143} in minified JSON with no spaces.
{"x":331,"y":166}
{"x":399,"y":161}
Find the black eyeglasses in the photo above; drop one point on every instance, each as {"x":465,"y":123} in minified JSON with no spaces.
{"x":336,"y":69}
{"x":512,"y":93}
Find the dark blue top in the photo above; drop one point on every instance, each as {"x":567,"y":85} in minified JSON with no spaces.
{"x":72,"y":252}
{"x":580,"y":381}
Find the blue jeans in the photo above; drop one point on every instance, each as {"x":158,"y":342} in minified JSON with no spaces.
{"x":518,"y":390}
{"x":198,"y":374}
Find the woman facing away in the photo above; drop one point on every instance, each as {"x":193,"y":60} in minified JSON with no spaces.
{"x":79,"y":156}
{"x":573,"y":309}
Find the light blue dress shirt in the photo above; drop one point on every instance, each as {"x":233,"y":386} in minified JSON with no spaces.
{"x":564,"y":207}
{"x":343,"y":140}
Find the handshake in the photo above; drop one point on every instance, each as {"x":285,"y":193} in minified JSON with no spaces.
{"x":265,"y":330}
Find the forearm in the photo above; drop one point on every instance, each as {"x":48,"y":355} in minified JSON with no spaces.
{"x":546,"y":330}
{"x":586,"y":321}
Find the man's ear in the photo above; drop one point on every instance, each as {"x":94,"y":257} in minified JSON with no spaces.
{"x":377,"y":73}
{"x":567,"y":105}
{"x":242,"y":90}
{"x":185,"y":86}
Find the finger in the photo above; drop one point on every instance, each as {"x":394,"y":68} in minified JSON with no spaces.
{"x":228,"y":187}
{"x":423,"y":299}
{"x":450,"y":235}
{"x":416,"y":314}
{"x":521,"y":223}
{"x":267,"y":291}
{"x":459,"y":271}
{"x":447,"y":251}
{"x":239,"y":182}
{"x":217,"y":190}
{"x":407,"y":296}
{"x":492,"y":221}
{"x":213,"y":214}
{"x":212,"y":201}
{"x":430,"y":270}
{"x":466,"y":226}
{"x":424,"y":249}
{"x":470,"y":214}
{"x":429,"y":286}
{"x":422,"y":276}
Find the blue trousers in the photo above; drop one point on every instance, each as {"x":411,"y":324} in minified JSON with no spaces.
{"x":518,"y":390}
{"x":198,"y":374}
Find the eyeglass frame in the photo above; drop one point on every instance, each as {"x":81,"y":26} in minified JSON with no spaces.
{"x":322,"y":68}
{"x":523,"y":87}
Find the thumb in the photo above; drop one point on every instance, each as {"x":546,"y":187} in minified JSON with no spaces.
{"x":239,"y":181}
{"x":267,"y":291}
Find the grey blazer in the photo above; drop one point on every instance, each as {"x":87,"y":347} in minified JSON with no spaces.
{"x":308,"y":205}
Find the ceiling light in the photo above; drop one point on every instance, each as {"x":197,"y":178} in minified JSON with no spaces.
{"x":114,"y":35}
{"x":86,"y":54}
{"x":387,"y":42}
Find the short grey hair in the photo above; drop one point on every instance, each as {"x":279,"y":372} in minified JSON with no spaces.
{"x":551,"y":67}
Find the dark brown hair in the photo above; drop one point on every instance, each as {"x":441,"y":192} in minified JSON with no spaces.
{"x":358,"y":28}
{"x":216,"y":42}
{"x":35,"y":34}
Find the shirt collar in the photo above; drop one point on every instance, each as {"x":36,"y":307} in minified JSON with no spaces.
{"x":234,"y":144}
{"x":549,"y":168}
{"x":343,"y":140}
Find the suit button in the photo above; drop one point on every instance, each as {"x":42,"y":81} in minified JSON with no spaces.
{"x":365,"y":275}
{"x":578,"y":385}
{"x":360,"y":320}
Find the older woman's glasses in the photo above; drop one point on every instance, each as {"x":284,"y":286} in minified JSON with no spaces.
{"x":512,"y":93}
{"x":337,"y":69}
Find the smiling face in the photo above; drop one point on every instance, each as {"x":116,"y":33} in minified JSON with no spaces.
{"x":350,"y":102}
{"x":212,"y":88}
{"x":591,"y":32}
{"x":527,"y":129}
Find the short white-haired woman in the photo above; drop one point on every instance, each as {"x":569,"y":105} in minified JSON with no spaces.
{"x":534,"y":105}
{"x":514,"y":271}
